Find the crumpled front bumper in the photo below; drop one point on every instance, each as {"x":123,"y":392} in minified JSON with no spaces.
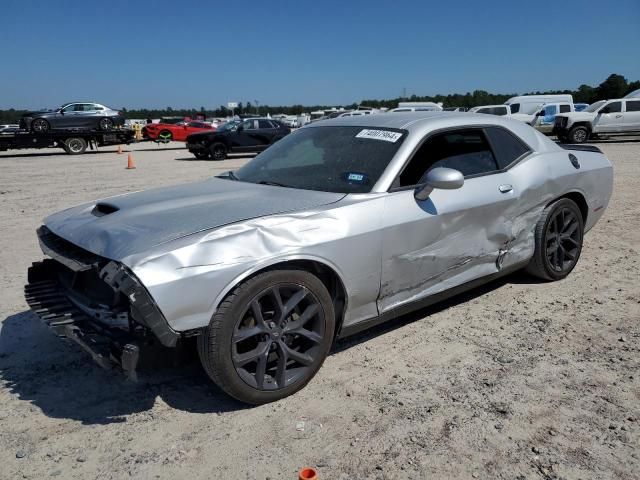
{"x":107,"y":346}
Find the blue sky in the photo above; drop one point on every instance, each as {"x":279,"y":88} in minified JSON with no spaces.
{"x":186,"y":53}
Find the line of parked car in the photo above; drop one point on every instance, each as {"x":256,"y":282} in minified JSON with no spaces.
{"x":550,"y":114}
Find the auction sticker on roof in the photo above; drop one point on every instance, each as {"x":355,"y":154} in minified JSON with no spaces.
{"x":385,"y":135}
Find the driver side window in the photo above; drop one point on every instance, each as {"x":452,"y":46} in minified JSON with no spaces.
{"x":465,"y":150}
{"x":248,"y":125}
{"x":71,"y":108}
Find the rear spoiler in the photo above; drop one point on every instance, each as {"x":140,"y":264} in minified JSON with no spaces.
{"x":581,"y":148}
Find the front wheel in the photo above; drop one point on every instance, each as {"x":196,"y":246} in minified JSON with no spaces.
{"x":218,"y":151}
{"x":558,"y":240}
{"x":165,"y":136}
{"x":269,"y":337}
{"x":578,"y":135}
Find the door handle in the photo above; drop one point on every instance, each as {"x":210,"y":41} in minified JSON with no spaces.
{"x":505,"y":188}
{"x":618,"y":116}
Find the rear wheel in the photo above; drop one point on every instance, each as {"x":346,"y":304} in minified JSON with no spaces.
{"x":218,"y":151}
{"x":105,"y":124}
{"x":40,"y":125}
{"x":269,"y":337}
{"x":578,"y":135}
{"x":75,"y":145}
{"x":558,"y":238}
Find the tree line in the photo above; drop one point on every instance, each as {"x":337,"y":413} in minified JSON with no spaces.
{"x":615,"y":86}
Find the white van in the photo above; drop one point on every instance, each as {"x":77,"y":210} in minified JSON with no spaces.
{"x":529,"y":104}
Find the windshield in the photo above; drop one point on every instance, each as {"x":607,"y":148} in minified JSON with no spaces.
{"x":228,"y":126}
{"x":328,"y":159}
{"x":595,"y":106}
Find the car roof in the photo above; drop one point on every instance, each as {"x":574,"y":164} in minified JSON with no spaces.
{"x":421,"y":123}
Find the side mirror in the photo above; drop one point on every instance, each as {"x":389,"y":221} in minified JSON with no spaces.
{"x":605,"y":110}
{"x":540,"y":113}
{"x":443,"y":178}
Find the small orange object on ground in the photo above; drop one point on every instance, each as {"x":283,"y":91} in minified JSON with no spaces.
{"x":308,"y":473}
{"x":130,"y":163}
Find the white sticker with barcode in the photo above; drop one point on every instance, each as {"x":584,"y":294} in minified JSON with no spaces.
{"x":385,"y":135}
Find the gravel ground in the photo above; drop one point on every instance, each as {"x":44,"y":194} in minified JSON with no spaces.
{"x":515,"y":380}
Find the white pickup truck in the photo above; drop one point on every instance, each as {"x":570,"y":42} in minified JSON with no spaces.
{"x":541,"y":117}
{"x":544,"y":118}
{"x":603,"y":118}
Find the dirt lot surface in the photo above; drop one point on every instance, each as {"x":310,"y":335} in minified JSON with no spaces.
{"x":516,"y":380}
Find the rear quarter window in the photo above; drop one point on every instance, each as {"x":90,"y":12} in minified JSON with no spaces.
{"x":506,"y":146}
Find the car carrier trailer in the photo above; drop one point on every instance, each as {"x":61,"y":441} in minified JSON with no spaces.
{"x":74,"y":142}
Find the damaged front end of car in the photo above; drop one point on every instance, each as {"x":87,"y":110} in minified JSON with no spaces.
{"x":97,"y":303}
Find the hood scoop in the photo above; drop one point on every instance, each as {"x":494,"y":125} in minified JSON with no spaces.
{"x":102,"y":209}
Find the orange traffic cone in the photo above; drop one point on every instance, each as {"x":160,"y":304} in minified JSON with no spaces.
{"x":308,"y":473}
{"x":119,"y":149}
{"x":130,"y":163}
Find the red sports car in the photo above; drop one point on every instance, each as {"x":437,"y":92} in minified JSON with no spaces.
{"x":166,"y":132}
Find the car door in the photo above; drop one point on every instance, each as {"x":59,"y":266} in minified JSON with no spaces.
{"x":454,"y":236}
{"x":632,"y":116}
{"x":87,"y":115}
{"x":610,"y":118}
{"x":242,"y":139}
{"x":181,"y":132}
{"x":67,"y":117}
{"x":546,"y":118}
{"x":267,"y":131}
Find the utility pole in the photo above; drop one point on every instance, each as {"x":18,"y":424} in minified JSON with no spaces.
{"x":257,"y":107}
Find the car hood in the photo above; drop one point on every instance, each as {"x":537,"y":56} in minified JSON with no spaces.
{"x":118,"y":227}
{"x":201,"y":135}
{"x":37,"y":112}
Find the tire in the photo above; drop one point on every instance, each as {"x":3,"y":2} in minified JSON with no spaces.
{"x":218,"y":151}
{"x":165,"y":136}
{"x":201,"y":155}
{"x":75,"y":145}
{"x":105,"y":124}
{"x":257,"y":352}
{"x":40,"y":125}
{"x":578,"y":135}
{"x":553,"y":259}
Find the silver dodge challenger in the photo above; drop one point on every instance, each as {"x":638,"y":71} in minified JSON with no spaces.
{"x":343,"y":224}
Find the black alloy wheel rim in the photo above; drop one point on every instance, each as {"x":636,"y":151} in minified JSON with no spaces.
{"x":279,"y":337}
{"x":40,"y":125}
{"x":105,"y":124}
{"x":563,"y":240}
{"x":218,"y":153}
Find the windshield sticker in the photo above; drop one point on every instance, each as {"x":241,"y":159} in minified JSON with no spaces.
{"x":385,"y":135}
{"x":356,"y":177}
